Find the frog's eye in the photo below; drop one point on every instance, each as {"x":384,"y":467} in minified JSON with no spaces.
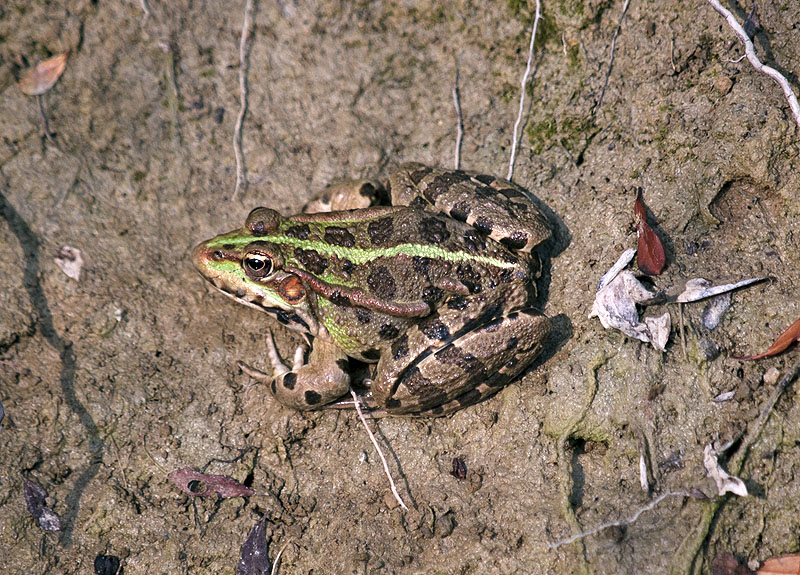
{"x":257,"y":265}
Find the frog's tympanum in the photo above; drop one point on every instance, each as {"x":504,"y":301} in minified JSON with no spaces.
{"x":436,"y":288}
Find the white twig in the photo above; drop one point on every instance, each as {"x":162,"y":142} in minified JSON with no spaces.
{"x":241,"y":171}
{"x":620,"y":523}
{"x":524,"y":82}
{"x":750,"y":52}
{"x":277,"y":563}
{"x":460,"y":125}
{"x":611,"y":58}
{"x":145,"y":9}
{"x":378,"y":449}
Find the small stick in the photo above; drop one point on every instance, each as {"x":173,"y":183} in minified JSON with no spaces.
{"x":619,"y":523}
{"x":525,"y":77}
{"x":611,"y":59}
{"x":750,"y":52}
{"x":241,"y":171}
{"x":460,"y":125}
{"x":277,"y":563}
{"x":378,"y":449}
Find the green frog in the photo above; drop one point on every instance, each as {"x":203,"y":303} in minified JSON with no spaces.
{"x":437,"y":288}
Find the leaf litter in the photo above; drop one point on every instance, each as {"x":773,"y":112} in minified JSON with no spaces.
{"x":199,"y":484}
{"x":38,"y":80}
{"x":36,"y":500}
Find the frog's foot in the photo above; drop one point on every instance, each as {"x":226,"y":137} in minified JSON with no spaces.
{"x":307,"y":385}
{"x":444,"y":376}
{"x":348,"y":195}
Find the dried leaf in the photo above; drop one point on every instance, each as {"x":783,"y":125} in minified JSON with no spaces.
{"x":700,"y":288}
{"x":752,"y":24}
{"x":780,"y":345}
{"x":459,"y":468}
{"x":620,"y":264}
{"x":39,"y":79}
{"x":615,"y":305}
{"x":786,"y":565}
{"x":201,"y":485}
{"x":35,"y":498}
{"x":727,"y":564}
{"x":727,"y":396}
{"x":725,"y":483}
{"x":650,"y":255}
{"x":254,"y":557}
{"x":70,"y":262}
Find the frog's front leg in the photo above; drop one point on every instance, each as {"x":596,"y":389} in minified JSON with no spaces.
{"x":423,"y":375}
{"x":307,"y":385}
{"x":347,"y":195}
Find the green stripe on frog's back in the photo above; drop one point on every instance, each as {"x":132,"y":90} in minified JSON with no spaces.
{"x":361,"y":256}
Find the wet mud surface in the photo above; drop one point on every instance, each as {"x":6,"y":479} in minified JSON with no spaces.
{"x":111,"y":382}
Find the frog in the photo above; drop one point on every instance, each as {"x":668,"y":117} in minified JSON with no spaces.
{"x":431,"y":278}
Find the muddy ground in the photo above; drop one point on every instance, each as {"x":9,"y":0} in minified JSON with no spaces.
{"x":111,"y":382}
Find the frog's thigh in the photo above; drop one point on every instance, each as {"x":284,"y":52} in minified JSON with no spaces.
{"x":348,"y":195}
{"x":495,"y":207}
{"x":466,"y":369}
{"x":322,"y":380}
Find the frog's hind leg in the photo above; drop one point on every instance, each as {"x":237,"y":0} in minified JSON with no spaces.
{"x":311,"y":385}
{"x":347,"y":195}
{"x":474,"y":363}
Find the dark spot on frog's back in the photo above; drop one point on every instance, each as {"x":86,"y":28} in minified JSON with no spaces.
{"x":388,"y":332}
{"x":443,"y":183}
{"x":484,"y":226}
{"x":337,"y":298}
{"x":312,"y":397}
{"x":301,"y":232}
{"x":432,"y":295}
{"x":460,"y":211}
{"x":515,"y":241}
{"x":311,"y":260}
{"x":457,"y":302}
{"x":363,"y":315}
{"x":381,"y":282}
{"x":337,"y":236}
{"x":381,"y":231}
{"x":400,"y":347}
{"x":485,"y":179}
{"x":434,"y":328}
{"x":433,"y":230}
{"x":469,"y":277}
{"x":474,"y":241}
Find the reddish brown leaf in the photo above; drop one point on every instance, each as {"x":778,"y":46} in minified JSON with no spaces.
{"x":201,"y":485}
{"x":786,"y":565}
{"x":39,"y":79}
{"x":780,"y":345}
{"x":35,"y":499}
{"x":650,"y":253}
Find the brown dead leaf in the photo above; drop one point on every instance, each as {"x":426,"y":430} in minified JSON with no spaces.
{"x":786,"y":565}
{"x":199,"y":484}
{"x":780,"y":345}
{"x":650,"y":255}
{"x":39,"y":79}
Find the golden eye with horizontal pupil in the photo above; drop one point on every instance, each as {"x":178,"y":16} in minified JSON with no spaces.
{"x":257,"y":265}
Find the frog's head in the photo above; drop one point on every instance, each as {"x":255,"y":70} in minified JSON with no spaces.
{"x":246,"y":266}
